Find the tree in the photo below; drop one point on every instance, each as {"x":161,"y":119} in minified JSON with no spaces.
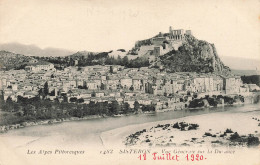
{"x":9,"y":105}
{"x":131,"y":88}
{"x":73,"y":99}
{"x":81,"y":100}
{"x":126,"y":107}
{"x":122,"y":50}
{"x":125,"y":61}
{"x":196,"y":103}
{"x":52,"y":93}
{"x":100,"y":108}
{"x":104,"y":108}
{"x":93,"y":94}
{"x":28,"y":110}
{"x":65,"y":98}
{"x":212,"y":101}
{"x":86,"y":109}
{"x":111,"y":69}
{"x":78,"y":112}
{"x":46,"y":89}
{"x":114,"y":107}
{"x":91,"y":107}
{"x":109,"y":61}
{"x":136,"y":106}
{"x":253,"y":141}
{"x":119,"y":60}
{"x":9,"y":100}
{"x":102,"y":86}
{"x":242,"y":99}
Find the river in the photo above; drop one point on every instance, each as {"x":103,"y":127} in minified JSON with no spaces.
{"x":87,"y":132}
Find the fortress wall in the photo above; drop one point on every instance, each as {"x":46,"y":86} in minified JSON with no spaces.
{"x":157,"y":42}
{"x":176,"y":44}
{"x":143,"y":49}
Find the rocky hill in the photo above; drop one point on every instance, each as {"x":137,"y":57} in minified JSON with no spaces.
{"x":9,"y":60}
{"x":82,"y":54}
{"x":193,"y":56}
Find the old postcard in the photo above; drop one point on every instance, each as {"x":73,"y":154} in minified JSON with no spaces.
{"x":129,"y":82}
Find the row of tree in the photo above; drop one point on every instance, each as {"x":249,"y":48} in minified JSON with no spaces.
{"x":96,"y":59}
{"x":254,"y":79}
{"x":134,"y":63}
{"x":37,"y":109}
{"x":215,"y":100}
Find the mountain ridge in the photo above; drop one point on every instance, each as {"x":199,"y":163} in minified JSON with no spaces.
{"x":33,"y":50}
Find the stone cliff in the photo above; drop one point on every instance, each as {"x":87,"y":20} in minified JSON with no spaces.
{"x":193,"y":56}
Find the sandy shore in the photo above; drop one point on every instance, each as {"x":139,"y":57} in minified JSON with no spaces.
{"x":216,"y":123}
{"x":242,"y":121}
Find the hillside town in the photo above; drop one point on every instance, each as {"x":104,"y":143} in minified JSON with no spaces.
{"x":129,"y":82}
{"x":107,"y":83}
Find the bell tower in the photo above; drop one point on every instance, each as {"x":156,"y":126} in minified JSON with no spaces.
{"x":170,"y":29}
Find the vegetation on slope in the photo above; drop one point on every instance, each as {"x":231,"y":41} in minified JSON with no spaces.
{"x":10,"y":60}
{"x":254,"y":79}
{"x":194,"y":56}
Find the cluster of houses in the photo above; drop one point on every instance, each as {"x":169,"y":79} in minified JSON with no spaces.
{"x":147,"y":86}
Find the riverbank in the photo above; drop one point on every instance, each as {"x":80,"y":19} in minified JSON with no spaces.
{"x":244,"y":122}
{"x":5,"y":128}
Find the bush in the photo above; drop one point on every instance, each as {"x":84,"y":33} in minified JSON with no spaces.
{"x":207,"y":134}
{"x":212,"y":102}
{"x":196,"y":103}
{"x":193,"y":126}
{"x":176,"y":125}
{"x":228,"y":131}
{"x":121,"y":50}
{"x":252,"y":141}
{"x":235,"y":137}
{"x":222,"y":135}
{"x":183,"y":124}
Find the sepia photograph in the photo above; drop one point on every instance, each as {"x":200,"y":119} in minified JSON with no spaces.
{"x":93,"y":82}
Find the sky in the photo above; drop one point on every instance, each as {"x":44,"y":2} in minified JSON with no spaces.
{"x":100,"y":25}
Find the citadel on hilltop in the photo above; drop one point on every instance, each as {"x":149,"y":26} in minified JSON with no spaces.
{"x":161,"y":43}
{"x":171,"y":37}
